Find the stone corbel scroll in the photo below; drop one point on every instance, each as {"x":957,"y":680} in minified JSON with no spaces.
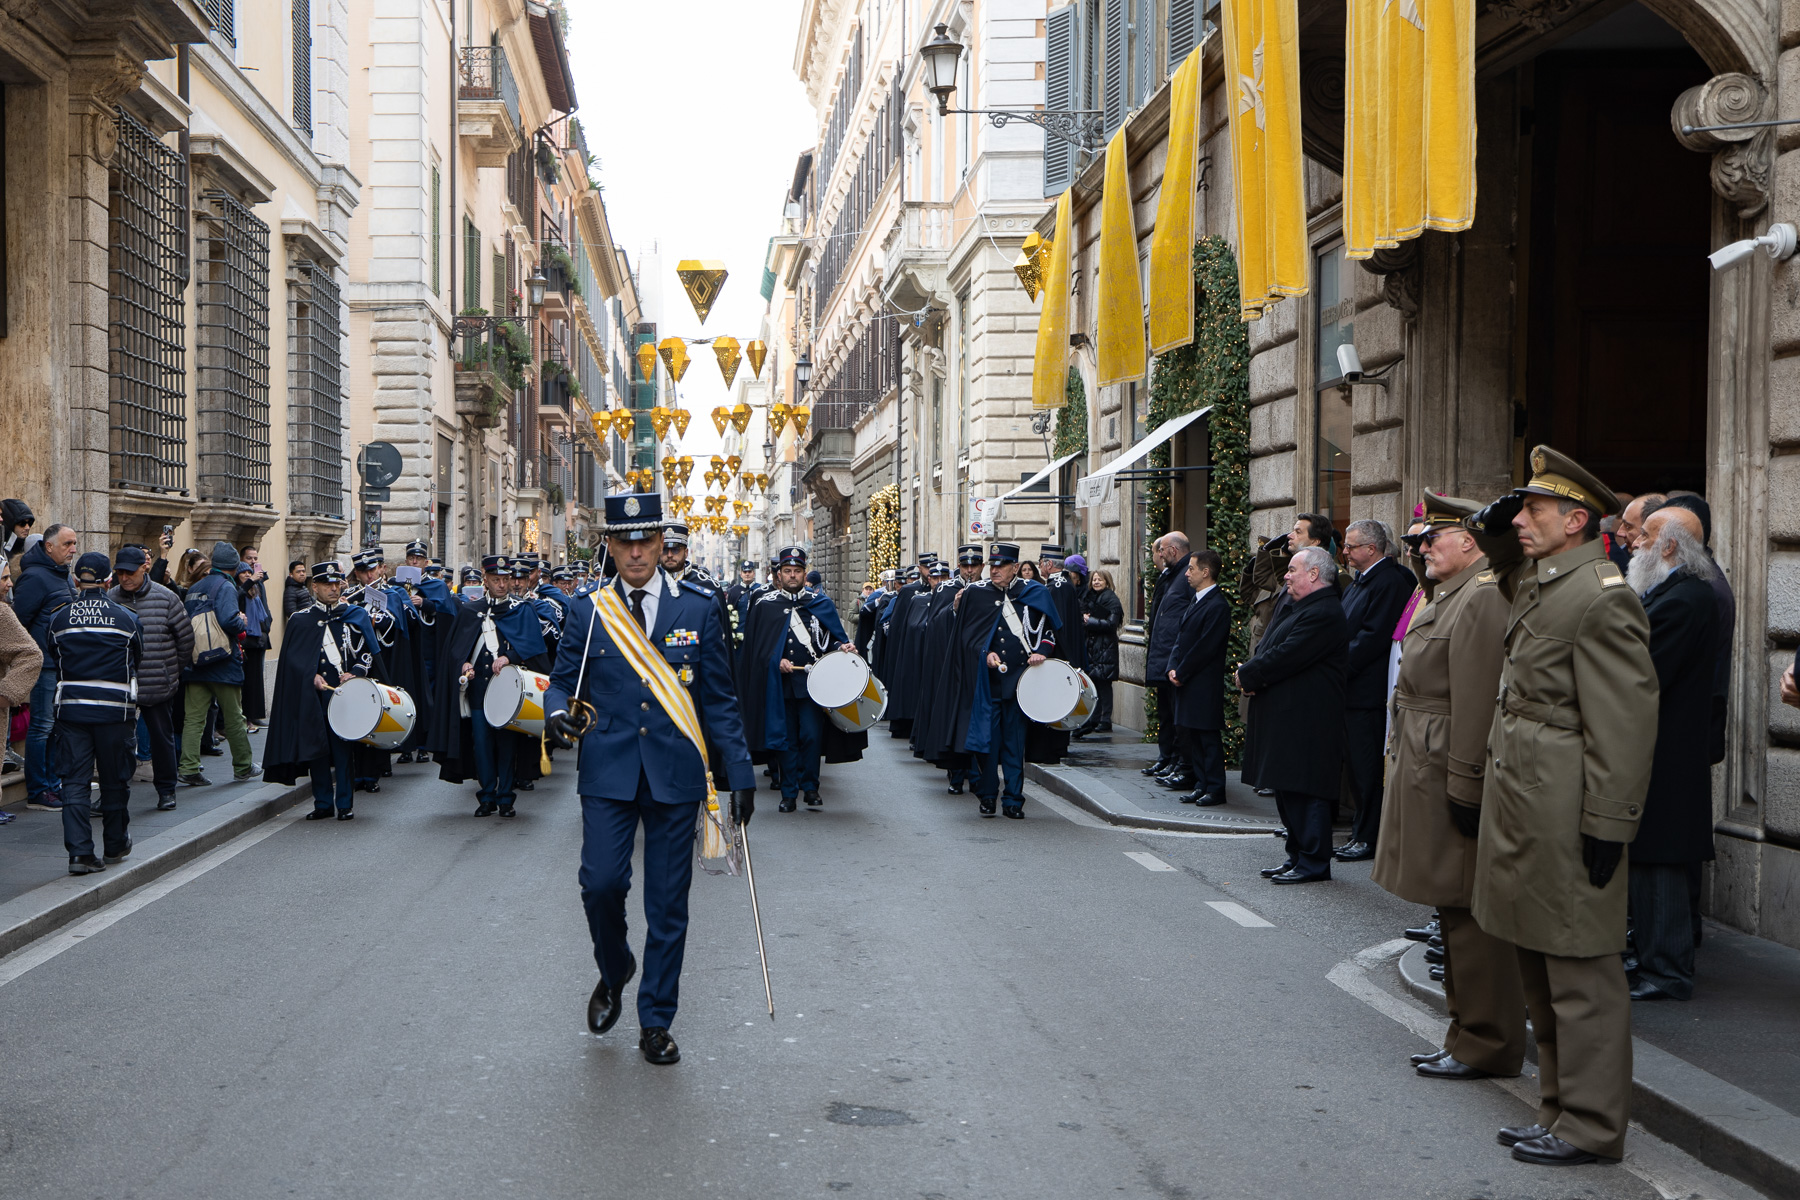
{"x":1741,"y":157}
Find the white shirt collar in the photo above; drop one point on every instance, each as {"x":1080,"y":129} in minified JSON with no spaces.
{"x":1209,"y":587}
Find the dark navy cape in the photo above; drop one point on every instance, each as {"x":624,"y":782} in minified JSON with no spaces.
{"x":975,"y":628}
{"x":759,"y":679}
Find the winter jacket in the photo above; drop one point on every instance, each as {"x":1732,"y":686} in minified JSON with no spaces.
{"x":13,"y":512}
{"x":1173,"y":595}
{"x":219,"y":591}
{"x":96,"y":648}
{"x":256,"y":635}
{"x":43,"y":589}
{"x":168,"y":639}
{"x":294,"y":597}
{"x":20,"y":663}
{"x":1105,"y":613}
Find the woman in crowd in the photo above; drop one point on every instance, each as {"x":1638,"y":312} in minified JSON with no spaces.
{"x":1102,"y":614}
{"x":1029,"y":570}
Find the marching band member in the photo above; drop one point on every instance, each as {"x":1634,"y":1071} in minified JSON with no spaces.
{"x":935,"y":727}
{"x":646,"y":659}
{"x":489,"y":633}
{"x":1004,"y":625}
{"x":564,"y":578}
{"x":790,"y":627}
{"x":324,"y":644}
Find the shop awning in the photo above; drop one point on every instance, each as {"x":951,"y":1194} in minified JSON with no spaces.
{"x":988,"y":511}
{"x":1091,"y":489}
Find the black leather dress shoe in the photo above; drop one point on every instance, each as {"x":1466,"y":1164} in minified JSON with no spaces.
{"x":1155,"y":768}
{"x":810,"y":799}
{"x":1551,"y":1151}
{"x":1210,"y":799}
{"x":1423,"y":933}
{"x":1511,"y":1135}
{"x":348,"y":814}
{"x":658,"y":1047}
{"x":956,"y":789}
{"x":530,"y":785}
{"x":1293,"y":876}
{"x":1450,"y":1068}
{"x":507,"y":810}
{"x":1272,"y":872}
{"x":605,"y":1004}
{"x":1181,"y":781}
{"x":1431,"y":1056}
{"x":1354,"y":852}
{"x":486,"y":808}
{"x":988,"y":804}
{"x":320,"y":814}
{"x":1437,"y":973}
{"x":786,"y":805}
{"x":1433,"y":955}
{"x":1014,"y":811}
{"x":1643,"y":989}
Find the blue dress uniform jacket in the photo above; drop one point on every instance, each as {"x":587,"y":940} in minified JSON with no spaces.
{"x":631,"y":732}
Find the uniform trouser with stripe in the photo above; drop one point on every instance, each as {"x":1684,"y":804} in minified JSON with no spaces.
{"x":1581,"y":1016}
{"x":109,"y":750}
{"x":1484,"y":995}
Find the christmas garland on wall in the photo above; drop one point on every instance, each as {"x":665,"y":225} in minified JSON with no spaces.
{"x":1072,"y":419}
{"x":1215,"y":370}
{"x":884,"y":531}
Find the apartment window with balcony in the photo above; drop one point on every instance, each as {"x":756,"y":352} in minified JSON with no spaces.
{"x":303,"y":68}
{"x":315,"y":393}
{"x":147,"y":260}
{"x":1332,"y":428}
{"x":231,"y":342}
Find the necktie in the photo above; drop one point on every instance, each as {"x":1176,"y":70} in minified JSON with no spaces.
{"x":637,"y":606}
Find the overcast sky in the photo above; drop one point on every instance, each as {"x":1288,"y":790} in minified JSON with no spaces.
{"x":695,"y":114}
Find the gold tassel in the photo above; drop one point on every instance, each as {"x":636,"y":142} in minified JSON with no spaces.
{"x":543,"y":755}
{"x":712,"y":832}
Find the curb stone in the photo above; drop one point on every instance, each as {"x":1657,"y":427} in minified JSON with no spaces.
{"x":1729,"y":1129}
{"x":26,"y":918}
{"x":1089,"y":792}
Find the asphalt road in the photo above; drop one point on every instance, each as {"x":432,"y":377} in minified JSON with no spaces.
{"x":392,"y":1007}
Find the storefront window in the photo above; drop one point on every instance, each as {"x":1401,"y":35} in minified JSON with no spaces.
{"x":1331,"y":411}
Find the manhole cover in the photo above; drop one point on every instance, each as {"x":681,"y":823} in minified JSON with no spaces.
{"x":857,"y":1114}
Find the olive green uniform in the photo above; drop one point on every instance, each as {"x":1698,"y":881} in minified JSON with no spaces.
{"x":1569,"y":757}
{"x":1442,"y":707}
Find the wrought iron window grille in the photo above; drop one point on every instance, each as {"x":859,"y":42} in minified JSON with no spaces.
{"x":315,"y":393}
{"x":232,"y":352}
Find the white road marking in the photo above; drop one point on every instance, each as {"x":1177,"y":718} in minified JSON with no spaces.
{"x":1674,"y":1173}
{"x":1239,"y":913}
{"x":1147,"y":860}
{"x":51,"y":945}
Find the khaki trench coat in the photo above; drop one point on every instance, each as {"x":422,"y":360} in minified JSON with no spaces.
{"x":1570,"y":755}
{"x":1442,"y":707}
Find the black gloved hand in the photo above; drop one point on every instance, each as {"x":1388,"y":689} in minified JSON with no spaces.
{"x":743,"y":804}
{"x":1600,"y":858}
{"x":1466,"y":818}
{"x":560,"y":730}
{"x":1496,"y":519}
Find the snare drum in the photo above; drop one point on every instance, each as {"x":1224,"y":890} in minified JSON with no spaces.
{"x":848,"y":691}
{"x":515,"y":700}
{"x":1055,"y":694}
{"x":375,"y":714}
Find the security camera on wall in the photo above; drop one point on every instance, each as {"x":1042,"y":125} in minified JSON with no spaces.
{"x":1349,"y":363}
{"x":1779,"y":242}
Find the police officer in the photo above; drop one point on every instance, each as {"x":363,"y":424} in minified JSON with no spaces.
{"x":642,"y":759}
{"x":95,"y":647}
{"x":1442,"y":706}
{"x":1004,"y":625}
{"x":1567,"y":774}
{"x":791,"y":626}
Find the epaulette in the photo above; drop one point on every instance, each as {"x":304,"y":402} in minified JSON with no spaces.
{"x":1609,"y":574}
{"x":1485,"y":577}
{"x":697,"y":587}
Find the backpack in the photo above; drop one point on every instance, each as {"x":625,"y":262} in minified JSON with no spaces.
{"x":211,"y":643}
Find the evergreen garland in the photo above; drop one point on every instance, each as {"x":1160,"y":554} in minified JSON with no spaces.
{"x":1072,"y":419}
{"x":1215,"y":370}
{"x":884,"y":531}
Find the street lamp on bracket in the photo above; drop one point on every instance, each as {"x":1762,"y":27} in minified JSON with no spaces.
{"x":1080,"y":127}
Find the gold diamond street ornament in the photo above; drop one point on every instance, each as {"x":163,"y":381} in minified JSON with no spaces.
{"x":778,"y":418}
{"x":660,"y":419}
{"x":800,"y":416}
{"x":756,"y":351}
{"x":682,"y":417}
{"x":740,"y":416}
{"x":726,"y":350}
{"x":702,"y":279}
{"x":646,"y":356}
{"x":721,"y":417}
{"x":674,"y":356}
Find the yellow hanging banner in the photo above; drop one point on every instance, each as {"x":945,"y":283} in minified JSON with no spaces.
{"x":1409,"y":121}
{"x":1119,"y":293}
{"x":1050,"y":368}
{"x":1262,"y":74}
{"x":1172,"y":245}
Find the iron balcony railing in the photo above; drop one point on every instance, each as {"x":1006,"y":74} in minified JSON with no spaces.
{"x":487,"y":76}
{"x":498,"y":345}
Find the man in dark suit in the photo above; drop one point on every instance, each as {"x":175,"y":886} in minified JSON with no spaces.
{"x":646,"y":665}
{"x":1671,"y":570}
{"x":1372,"y":606}
{"x":1167,"y":602}
{"x":1197,"y":674}
{"x":1295,"y":742}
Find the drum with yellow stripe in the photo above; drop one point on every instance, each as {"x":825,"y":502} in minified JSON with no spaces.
{"x":375,"y":714}
{"x":515,"y":700}
{"x":847,"y":690}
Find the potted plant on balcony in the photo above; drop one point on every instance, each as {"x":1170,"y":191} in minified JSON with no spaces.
{"x":515,"y":354}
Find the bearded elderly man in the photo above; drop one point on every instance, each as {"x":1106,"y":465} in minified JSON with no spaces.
{"x":1564,"y":794}
{"x":1443,"y":704}
{"x":1672,"y":572}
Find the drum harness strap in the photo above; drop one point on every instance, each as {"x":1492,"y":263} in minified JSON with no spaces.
{"x":808,"y":640}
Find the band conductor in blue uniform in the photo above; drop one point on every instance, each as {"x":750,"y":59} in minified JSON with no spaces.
{"x":642,"y":729}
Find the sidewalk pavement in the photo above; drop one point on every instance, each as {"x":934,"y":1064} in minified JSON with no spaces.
{"x":1718,"y":1075}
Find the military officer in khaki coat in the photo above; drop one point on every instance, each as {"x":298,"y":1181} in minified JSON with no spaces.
{"x":1442,"y":707}
{"x":1565,"y":789}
